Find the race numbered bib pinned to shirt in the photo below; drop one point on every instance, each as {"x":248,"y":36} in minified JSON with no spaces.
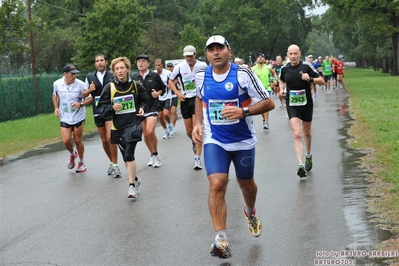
{"x":189,"y":85}
{"x":215,"y":108}
{"x":298,"y":98}
{"x":127,"y":102}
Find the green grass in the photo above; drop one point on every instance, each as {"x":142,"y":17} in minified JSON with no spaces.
{"x":25,"y":134}
{"x":374,"y":104}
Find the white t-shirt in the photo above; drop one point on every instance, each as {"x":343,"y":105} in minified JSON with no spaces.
{"x":69,"y":94}
{"x":164,"y":76}
{"x":185,"y":77}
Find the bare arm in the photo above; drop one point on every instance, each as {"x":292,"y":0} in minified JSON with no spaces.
{"x":199,"y":117}
{"x":56,"y":106}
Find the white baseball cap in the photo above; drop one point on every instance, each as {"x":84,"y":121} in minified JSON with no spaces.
{"x":189,"y":50}
{"x":217,"y":39}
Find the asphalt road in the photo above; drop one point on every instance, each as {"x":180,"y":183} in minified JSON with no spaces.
{"x":51,"y":215}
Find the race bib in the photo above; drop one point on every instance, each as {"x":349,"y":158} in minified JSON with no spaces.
{"x":127,"y":102}
{"x":215,"y":108}
{"x":189,"y":85}
{"x":298,"y":98}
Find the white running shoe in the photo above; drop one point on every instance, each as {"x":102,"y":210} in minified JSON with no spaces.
{"x":197,"y":164}
{"x":220,"y":248}
{"x":72,"y":157}
{"x":81,"y":168}
{"x":171,"y":130}
{"x":117,"y":172}
{"x":166,"y":134}
{"x":110,"y":170}
{"x":151,"y":162}
{"x":133,"y":191}
{"x":156,"y":161}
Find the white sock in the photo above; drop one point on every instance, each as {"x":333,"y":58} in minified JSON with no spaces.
{"x":221,"y":234}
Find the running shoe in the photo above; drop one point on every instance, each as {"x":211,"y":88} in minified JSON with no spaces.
{"x":116,"y":172}
{"x":308,"y":163}
{"x":151,"y":162}
{"x":254,"y":223}
{"x":110,"y":170}
{"x":301,"y":171}
{"x":166,"y":134}
{"x":220,"y":248}
{"x":156,"y":161}
{"x":194,"y":148}
{"x":171,"y":130}
{"x":133,"y":191}
{"x":265,"y":125}
{"x":72,"y":157}
{"x":81,"y":168}
{"x":197,"y":164}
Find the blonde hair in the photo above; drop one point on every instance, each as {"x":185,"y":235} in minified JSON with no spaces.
{"x":122,"y":59}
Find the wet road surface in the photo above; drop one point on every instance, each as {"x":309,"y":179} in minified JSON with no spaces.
{"x":51,"y":215}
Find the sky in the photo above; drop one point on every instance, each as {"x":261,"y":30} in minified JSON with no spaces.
{"x":319,"y":10}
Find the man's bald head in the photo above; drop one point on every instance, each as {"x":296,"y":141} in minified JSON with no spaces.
{"x":294,"y":54}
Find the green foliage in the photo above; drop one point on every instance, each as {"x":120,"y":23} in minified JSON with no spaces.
{"x":13,"y":27}
{"x":256,"y":26}
{"x":365,"y":30}
{"x":113,"y":28}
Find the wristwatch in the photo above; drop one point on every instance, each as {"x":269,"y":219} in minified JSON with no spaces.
{"x":81,"y":104}
{"x":246,"y":111}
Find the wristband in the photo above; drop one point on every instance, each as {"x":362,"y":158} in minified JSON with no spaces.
{"x":311,"y":80}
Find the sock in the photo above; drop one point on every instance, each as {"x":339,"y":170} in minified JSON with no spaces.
{"x":248,"y":210}
{"x":221,"y":234}
{"x":197,"y":157}
{"x":308,"y":155}
{"x":155,"y":154}
{"x":115,"y":165}
{"x":80,"y":160}
{"x":131,"y":184}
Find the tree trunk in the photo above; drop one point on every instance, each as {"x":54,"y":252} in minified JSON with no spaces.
{"x":385,"y":66}
{"x":395,"y":45}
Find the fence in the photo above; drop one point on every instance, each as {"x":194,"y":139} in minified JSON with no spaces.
{"x":17,"y":95}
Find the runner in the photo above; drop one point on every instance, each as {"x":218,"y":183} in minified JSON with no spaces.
{"x":69,"y":105}
{"x":124,"y":101}
{"x":327,"y":73}
{"x":224,"y":124}
{"x":96,"y":82}
{"x":171,"y":104}
{"x":152,"y":82}
{"x":164,"y":111}
{"x":184,"y":74}
{"x":296,"y":77}
{"x":263,"y":71}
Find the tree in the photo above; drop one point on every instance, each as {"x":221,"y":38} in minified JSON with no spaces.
{"x":371,"y":24}
{"x":113,"y":28}
{"x":256,"y":25}
{"x":13,"y":31}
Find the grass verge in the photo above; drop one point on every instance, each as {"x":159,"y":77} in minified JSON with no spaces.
{"x":374,"y":102}
{"x":26,"y":134}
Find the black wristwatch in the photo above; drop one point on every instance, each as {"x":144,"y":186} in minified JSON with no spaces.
{"x":81,"y":104}
{"x":246,"y":112}
{"x":311,"y":80}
